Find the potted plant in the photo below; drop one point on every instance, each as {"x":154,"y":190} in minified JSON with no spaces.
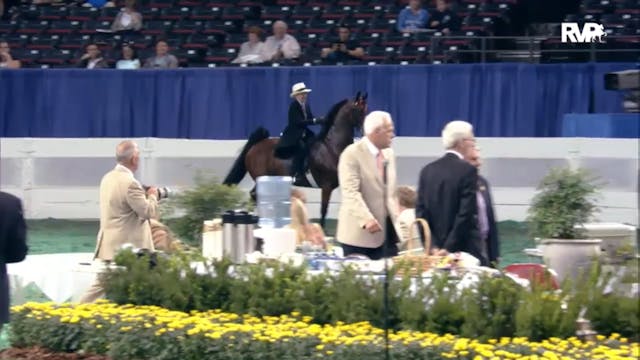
{"x":565,"y":201}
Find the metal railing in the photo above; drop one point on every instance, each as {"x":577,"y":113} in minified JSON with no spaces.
{"x":529,"y":48}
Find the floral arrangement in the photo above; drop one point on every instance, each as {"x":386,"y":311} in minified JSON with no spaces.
{"x":143,"y":332}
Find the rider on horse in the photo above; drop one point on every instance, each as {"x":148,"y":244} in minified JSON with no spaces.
{"x":296,"y":137}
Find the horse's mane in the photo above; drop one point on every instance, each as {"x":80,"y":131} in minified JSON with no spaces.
{"x":330,"y":119}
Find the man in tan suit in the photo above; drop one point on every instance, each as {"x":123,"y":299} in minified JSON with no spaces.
{"x":363,"y":221}
{"x":125,"y":210}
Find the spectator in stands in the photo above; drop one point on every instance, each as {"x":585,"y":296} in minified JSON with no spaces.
{"x":252,"y":51}
{"x":129,"y":58}
{"x":163,"y":59}
{"x":92,"y":59}
{"x":128,"y":18}
{"x":413,"y":17}
{"x":443,"y":18}
{"x":6,"y":60}
{"x":344,"y":50}
{"x":281,"y":45}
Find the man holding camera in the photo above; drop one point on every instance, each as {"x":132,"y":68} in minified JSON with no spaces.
{"x":126,"y":210}
{"x":343,"y":50}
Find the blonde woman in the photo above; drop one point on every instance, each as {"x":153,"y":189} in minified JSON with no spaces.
{"x":300,"y":221}
{"x":407,"y":215}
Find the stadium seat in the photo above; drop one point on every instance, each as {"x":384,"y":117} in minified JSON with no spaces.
{"x":43,"y":42}
{"x":53,"y":12}
{"x":64,"y":27}
{"x":73,"y":41}
{"x":157,"y":27}
{"x":239,"y":13}
{"x":234,"y":40}
{"x":306,"y":12}
{"x":219,"y":27}
{"x":161,"y":3}
{"x":188,"y":27}
{"x":33,"y":27}
{"x":174,"y":13}
{"x":205,"y":13}
{"x":220,"y":55}
{"x":89,"y":27}
{"x":276,"y":12}
{"x":81,"y":13}
{"x":108,"y":14}
{"x":395,"y":39}
{"x":381,"y":25}
{"x":200,"y":41}
{"x":8,"y":27}
{"x":55,"y":57}
{"x":367,"y":11}
{"x":16,"y":41}
{"x":320,"y":26}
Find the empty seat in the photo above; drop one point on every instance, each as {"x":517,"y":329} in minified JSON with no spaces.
{"x":53,"y":12}
{"x":380,"y":53}
{"x":395,"y":39}
{"x":206,"y":13}
{"x":7,"y":27}
{"x":336,"y":13}
{"x":26,"y":56}
{"x":90,"y":27}
{"x":239,"y":13}
{"x":56,"y":57}
{"x":219,"y":27}
{"x":16,"y":41}
{"x":381,"y":25}
{"x":157,"y":27}
{"x":161,"y":3}
{"x":493,"y":10}
{"x":276,"y":12}
{"x":306,"y":12}
{"x":108,"y":13}
{"x":81,"y":13}
{"x":73,"y":41}
{"x":234,"y":40}
{"x":200,"y":41}
{"x":188,"y":27}
{"x":367,"y":11}
{"x":220,"y":55}
{"x":43,"y":42}
{"x":174,"y":13}
{"x":33,"y":27}
{"x":319,"y":26}
{"x":64,"y":26}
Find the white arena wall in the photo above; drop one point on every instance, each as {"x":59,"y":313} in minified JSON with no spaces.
{"x":58,"y":178}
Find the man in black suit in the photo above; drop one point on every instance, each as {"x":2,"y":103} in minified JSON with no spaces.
{"x":296,"y":137}
{"x":447,"y":195}
{"x":486,"y":216}
{"x":13,"y":245}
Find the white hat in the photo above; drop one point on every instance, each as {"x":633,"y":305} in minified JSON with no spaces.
{"x":299,"y":88}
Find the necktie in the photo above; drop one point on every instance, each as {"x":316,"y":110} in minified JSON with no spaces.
{"x":380,"y":163}
{"x":483,"y":220}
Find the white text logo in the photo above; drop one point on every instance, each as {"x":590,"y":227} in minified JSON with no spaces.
{"x":591,"y":32}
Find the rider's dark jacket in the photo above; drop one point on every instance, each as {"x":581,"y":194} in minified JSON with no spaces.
{"x":296,"y":129}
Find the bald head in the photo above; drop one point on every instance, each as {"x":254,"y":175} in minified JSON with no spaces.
{"x":127,"y":154}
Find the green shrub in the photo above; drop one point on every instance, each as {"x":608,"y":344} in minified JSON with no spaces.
{"x":207,"y":200}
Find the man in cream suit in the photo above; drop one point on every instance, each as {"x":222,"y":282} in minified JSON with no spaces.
{"x":125,"y":210}
{"x":363,"y":221}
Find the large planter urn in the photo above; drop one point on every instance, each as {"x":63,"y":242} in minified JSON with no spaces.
{"x":569,"y":258}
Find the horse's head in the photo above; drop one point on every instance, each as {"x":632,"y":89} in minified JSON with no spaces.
{"x":359,"y":109}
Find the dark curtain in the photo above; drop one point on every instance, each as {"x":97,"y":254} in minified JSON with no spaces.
{"x":501,"y":100}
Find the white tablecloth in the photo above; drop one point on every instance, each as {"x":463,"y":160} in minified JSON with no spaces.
{"x":61,"y":277}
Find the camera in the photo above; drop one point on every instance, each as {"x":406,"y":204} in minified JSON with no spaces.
{"x":162,"y":192}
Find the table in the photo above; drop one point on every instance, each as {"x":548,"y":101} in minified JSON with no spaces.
{"x":626,"y":125}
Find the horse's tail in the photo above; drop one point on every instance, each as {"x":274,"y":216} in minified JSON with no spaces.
{"x":239,"y":169}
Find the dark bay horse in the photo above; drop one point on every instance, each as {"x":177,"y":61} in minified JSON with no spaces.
{"x":257,"y":156}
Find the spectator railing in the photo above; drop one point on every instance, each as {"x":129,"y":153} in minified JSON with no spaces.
{"x":531,"y":49}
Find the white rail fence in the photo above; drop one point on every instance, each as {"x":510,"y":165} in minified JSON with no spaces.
{"x":58,"y":178}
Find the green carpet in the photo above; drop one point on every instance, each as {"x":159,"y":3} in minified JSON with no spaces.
{"x":67,"y":236}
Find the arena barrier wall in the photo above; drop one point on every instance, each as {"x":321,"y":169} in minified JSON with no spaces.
{"x":500,"y":100}
{"x":59,"y":178}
